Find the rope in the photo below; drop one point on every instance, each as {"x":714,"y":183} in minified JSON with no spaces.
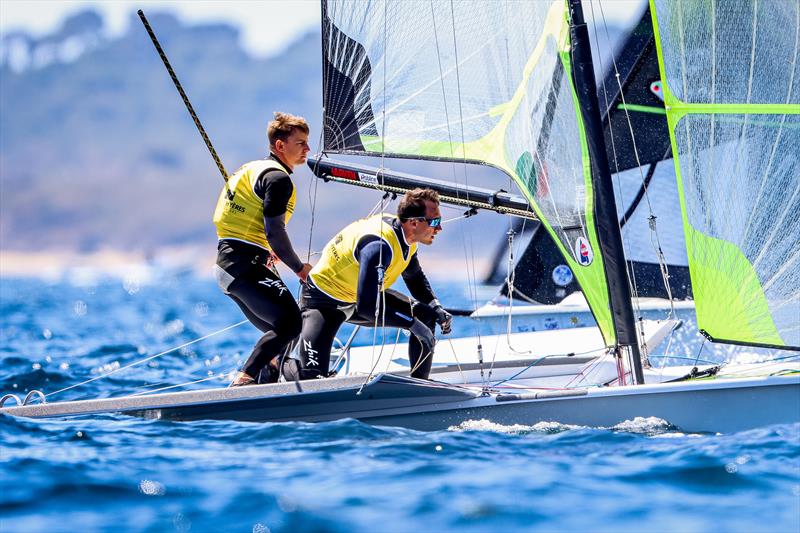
{"x":458,"y":363}
{"x":380,"y":303}
{"x":510,"y":276}
{"x":471,"y":275}
{"x":542,"y":358}
{"x":655,"y":238}
{"x":583,"y":373}
{"x":771,"y":362}
{"x":139,"y":362}
{"x":391,"y":355}
{"x":216,"y":376}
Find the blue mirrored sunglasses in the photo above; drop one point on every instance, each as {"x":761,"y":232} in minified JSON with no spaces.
{"x":432,"y":222}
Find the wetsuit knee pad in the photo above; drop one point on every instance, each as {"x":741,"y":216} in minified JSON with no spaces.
{"x":293,"y":371}
{"x":425,"y":314}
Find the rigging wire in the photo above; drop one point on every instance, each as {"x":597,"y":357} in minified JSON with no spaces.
{"x":146,"y":359}
{"x":470,"y":265}
{"x":510,"y":276}
{"x":452,"y":153}
{"x":394,"y":349}
{"x":380,"y":302}
{"x":629,"y":274}
{"x":654,"y":234}
{"x":510,"y":270}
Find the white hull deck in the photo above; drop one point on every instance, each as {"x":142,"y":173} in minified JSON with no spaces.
{"x":718,"y":405}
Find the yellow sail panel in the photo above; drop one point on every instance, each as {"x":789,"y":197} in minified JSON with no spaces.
{"x":730,"y":74}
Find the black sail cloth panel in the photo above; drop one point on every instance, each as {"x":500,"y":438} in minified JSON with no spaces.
{"x":639,"y":102}
{"x":346,"y":89}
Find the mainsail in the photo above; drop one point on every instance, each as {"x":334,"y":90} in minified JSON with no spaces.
{"x":731,"y":83}
{"x":478,"y":81}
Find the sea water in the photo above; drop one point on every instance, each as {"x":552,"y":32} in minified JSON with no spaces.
{"x":115,"y":473}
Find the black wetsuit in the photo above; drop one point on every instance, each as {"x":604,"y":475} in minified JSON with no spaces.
{"x":323,"y":315}
{"x":256,"y":288}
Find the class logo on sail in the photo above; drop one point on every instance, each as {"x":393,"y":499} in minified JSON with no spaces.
{"x":562,"y":275}
{"x":583,"y":251}
{"x":657,"y":89}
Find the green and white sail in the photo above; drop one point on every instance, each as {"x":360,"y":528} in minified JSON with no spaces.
{"x":485,"y":81}
{"x":731,"y":81}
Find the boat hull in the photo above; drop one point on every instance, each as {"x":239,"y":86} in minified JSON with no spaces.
{"x":718,"y":405}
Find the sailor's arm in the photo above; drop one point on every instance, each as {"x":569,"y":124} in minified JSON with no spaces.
{"x":374,"y":256}
{"x":419,"y":287}
{"x":276,"y":188}
{"x":417,"y":282}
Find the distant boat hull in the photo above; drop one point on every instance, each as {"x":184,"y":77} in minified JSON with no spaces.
{"x":573,"y":312}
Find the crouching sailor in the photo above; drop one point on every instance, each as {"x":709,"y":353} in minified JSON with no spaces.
{"x":350,"y":284}
{"x":251,"y":216}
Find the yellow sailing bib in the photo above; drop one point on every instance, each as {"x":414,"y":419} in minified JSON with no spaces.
{"x":240,"y":212}
{"x":336,"y":273}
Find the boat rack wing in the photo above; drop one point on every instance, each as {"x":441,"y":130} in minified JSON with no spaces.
{"x":398,"y":183}
{"x":313,"y":401}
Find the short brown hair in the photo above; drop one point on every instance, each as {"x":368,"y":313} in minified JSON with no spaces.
{"x":413,"y":203}
{"x":283,"y":125}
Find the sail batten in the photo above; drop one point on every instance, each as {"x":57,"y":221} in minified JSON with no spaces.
{"x":733,"y":108}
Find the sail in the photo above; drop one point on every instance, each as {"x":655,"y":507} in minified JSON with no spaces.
{"x":731,"y":83}
{"x":637,"y":141}
{"x":481,"y":81}
{"x":639,"y":107}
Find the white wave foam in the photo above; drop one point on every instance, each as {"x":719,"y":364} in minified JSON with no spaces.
{"x":513,"y":429}
{"x":643,"y":425}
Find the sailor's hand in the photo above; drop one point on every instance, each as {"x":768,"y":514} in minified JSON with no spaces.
{"x":443,"y":318}
{"x":303,"y":273}
{"x":424,"y":334}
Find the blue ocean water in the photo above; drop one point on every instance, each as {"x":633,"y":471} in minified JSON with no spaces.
{"x":114,"y":473}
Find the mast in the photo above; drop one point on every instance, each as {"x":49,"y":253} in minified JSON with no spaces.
{"x":605,"y":208}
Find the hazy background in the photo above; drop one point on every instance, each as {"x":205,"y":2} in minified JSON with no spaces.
{"x":100,"y":163}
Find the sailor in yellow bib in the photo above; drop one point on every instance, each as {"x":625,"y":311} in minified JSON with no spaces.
{"x":352,"y":279}
{"x":253,"y":209}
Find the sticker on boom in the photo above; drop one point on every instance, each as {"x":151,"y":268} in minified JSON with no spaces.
{"x":583,"y":251}
{"x":368,"y":178}
{"x":342,"y":173}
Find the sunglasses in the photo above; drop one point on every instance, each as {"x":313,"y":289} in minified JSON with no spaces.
{"x":432,"y":222}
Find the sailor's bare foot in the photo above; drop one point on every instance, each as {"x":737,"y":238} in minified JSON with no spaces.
{"x":242,"y":379}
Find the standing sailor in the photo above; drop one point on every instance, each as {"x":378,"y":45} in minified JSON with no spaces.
{"x":357,"y":266}
{"x":251,"y":216}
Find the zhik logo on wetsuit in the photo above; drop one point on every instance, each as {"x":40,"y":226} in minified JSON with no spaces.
{"x":310,"y":353}
{"x":274,"y":284}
